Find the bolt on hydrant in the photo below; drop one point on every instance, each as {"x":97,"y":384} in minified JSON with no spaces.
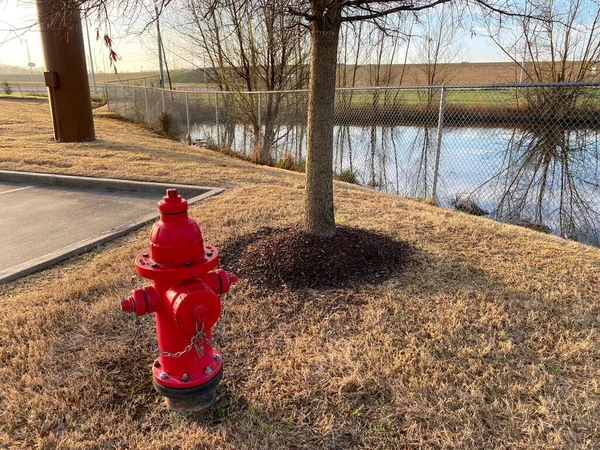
{"x":184,"y":295}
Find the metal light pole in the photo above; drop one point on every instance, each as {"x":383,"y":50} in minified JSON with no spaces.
{"x":160,"y":55}
{"x":29,"y":63}
{"x":525,"y":47}
{"x":522,"y":77}
{"x":87,"y":30}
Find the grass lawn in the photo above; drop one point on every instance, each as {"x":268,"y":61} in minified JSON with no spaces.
{"x":459,"y":97}
{"x":489,"y":339}
{"x":418,"y":97}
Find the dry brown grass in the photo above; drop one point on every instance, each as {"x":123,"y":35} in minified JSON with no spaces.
{"x":489,"y":340}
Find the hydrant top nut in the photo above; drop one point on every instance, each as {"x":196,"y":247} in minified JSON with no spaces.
{"x":172,"y":203}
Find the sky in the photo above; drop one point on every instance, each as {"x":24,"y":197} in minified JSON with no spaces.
{"x":18,"y":31}
{"x":137,"y":52}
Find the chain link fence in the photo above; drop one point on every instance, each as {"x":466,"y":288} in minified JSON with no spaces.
{"x":28,"y":90}
{"x":22,"y":91}
{"x":524,"y":153}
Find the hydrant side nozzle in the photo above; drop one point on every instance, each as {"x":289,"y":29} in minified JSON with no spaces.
{"x":141,"y":301}
{"x":220,"y":281}
{"x":127,"y":305}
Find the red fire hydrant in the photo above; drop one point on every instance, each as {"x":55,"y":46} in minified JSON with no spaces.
{"x":185,"y":297}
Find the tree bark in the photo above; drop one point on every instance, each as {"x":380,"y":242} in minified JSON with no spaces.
{"x":319,"y":216}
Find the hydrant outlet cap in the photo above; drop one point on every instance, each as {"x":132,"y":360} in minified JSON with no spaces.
{"x":172,"y":203}
{"x":127,"y":305}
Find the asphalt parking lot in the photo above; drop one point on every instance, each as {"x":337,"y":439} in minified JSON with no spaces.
{"x":38,"y":221}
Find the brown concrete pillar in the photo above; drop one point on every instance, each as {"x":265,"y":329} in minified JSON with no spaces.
{"x":66,"y":73}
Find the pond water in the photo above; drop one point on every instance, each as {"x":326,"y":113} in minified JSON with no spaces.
{"x":545,"y":175}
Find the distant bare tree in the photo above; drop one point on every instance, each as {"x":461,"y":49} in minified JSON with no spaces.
{"x":366,"y":57}
{"x":250,"y":46}
{"x":547,"y":161}
{"x":436,"y":47}
{"x":380,"y":74}
{"x":565,"y":47}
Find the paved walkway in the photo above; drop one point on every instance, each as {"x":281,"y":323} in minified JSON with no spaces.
{"x":37,"y":220}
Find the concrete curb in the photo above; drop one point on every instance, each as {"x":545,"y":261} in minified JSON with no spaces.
{"x":194,"y":194}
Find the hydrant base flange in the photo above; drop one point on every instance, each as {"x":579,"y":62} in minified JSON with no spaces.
{"x":192,"y":399}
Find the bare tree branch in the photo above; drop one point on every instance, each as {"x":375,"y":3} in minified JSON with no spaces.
{"x":378,"y":14}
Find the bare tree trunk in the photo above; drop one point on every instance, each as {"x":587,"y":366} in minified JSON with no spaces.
{"x":319,"y":218}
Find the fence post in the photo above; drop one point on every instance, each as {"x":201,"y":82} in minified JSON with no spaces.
{"x":106,"y":96}
{"x":217,"y":117}
{"x":147,"y":110}
{"x":116,"y":99}
{"x":162,"y":91}
{"x":124,"y":103}
{"x":259,"y":120}
{"x":438,"y":144}
{"x":134,"y":103}
{"x":187,"y":115}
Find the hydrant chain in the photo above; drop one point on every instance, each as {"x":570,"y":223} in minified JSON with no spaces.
{"x":194,"y":343}
{"x":219,"y":333}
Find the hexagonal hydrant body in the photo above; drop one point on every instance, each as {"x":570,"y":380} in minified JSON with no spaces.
{"x":184,"y":295}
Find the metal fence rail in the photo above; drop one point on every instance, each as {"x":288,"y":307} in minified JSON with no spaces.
{"x":26,"y":90}
{"x":148,"y":81}
{"x":522,"y":153}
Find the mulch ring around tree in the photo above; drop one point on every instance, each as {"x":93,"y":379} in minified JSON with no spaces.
{"x":272,"y":258}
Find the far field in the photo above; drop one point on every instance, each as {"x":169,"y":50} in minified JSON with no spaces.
{"x":488,"y":339}
{"x":409,"y":75}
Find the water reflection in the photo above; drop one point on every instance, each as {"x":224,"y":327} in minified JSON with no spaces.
{"x":540,"y":175}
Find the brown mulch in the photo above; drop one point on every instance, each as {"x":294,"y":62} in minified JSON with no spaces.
{"x":274,"y":258}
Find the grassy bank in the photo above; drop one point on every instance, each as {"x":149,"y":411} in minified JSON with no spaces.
{"x":488,"y":340}
{"x":561,"y":107}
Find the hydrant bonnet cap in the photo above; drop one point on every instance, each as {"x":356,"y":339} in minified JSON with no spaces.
{"x":172,"y":203}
